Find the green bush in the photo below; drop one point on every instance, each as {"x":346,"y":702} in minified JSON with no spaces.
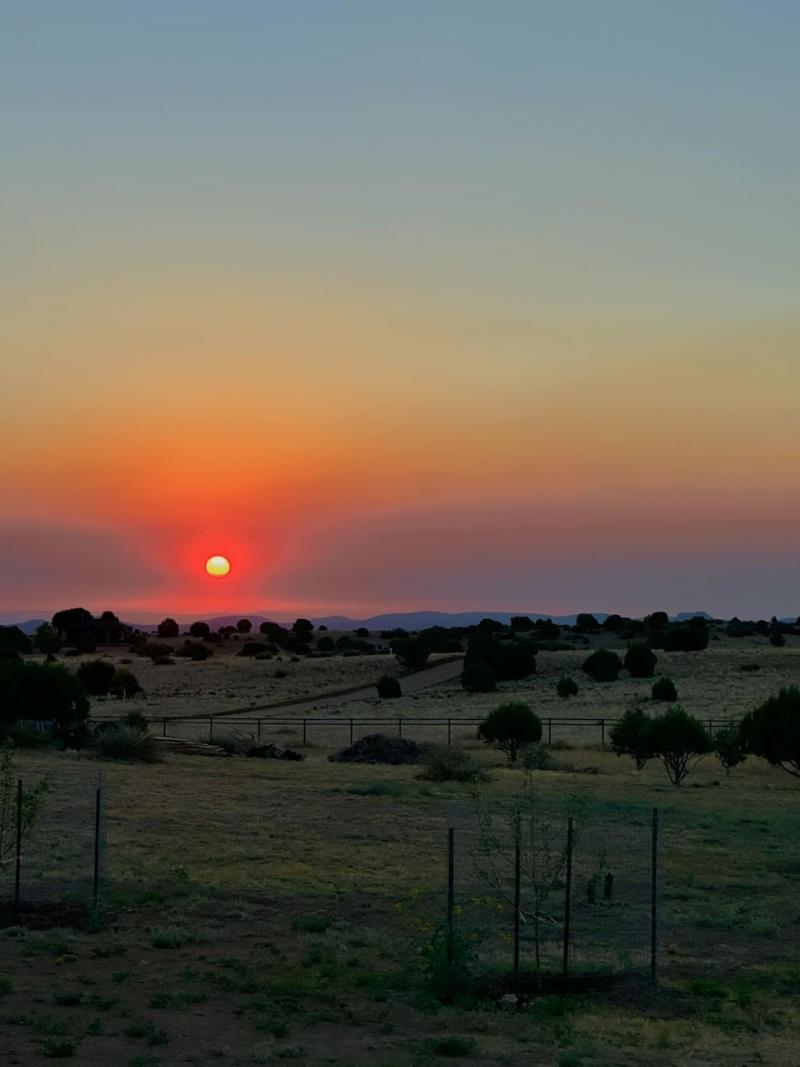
{"x":194,"y":650}
{"x":442,"y":764}
{"x":640,"y":661}
{"x":389,"y":688}
{"x":664,"y":689}
{"x":97,"y":676}
{"x":479,"y":678}
{"x":126,"y":743}
{"x":772,"y":730}
{"x":603,"y":665}
{"x":325,"y":644}
{"x":136,"y":721}
{"x":511,"y":727}
{"x":567,"y":687}
{"x":47,"y":639}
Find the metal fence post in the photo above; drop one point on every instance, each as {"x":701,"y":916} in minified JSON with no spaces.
{"x":550,"y":731}
{"x":451,"y":866}
{"x":258,"y":730}
{"x":399,"y":727}
{"x":654,"y":900}
{"x":305,"y":733}
{"x":98,"y":812}
{"x":351,"y":733}
{"x":164,"y":727}
{"x":603,"y":734}
{"x":517,"y":901}
{"x":18,"y":857}
{"x":449,"y":733}
{"x":568,"y":894}
{"x":210,"y":729}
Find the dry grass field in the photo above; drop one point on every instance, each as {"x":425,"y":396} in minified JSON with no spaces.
{"x":261,"y":911}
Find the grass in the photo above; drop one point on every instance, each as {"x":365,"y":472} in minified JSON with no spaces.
{"x":288,"y":904}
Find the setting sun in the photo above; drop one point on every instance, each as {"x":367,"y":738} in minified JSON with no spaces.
{"x":217,"y":566}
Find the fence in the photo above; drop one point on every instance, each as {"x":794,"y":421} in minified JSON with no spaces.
{"x":540,"y":895}
{"x":52,"y":841}
{"x":444,"y":730}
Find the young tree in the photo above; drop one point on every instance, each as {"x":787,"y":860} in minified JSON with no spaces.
{"x":678,"y":740}
{"x":511,"y":727}
{"x":729,"y":748}
{"x":772,"y":730}
{"x":631,"y":735}
{"x":31,"y":804}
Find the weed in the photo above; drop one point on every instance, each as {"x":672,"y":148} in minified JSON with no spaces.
{"x":149,"y":1032}
{"x":59,"y":1048}
{"x":311,"y":924}
{"x":68,"y":998}
{"x":6,"y":985}
{"x":174,"y":937}
{"x":451,"y":1046}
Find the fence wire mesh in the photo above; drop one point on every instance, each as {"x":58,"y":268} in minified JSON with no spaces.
{"x":61,"y":852}
{"x":582,"y":902}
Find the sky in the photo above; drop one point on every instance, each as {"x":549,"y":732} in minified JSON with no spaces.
{"x":444,"y":305}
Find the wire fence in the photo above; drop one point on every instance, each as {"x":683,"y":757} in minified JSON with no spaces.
{"x":340,"y":731}
{"x":537,"y":892}
{"x":53,"y":841}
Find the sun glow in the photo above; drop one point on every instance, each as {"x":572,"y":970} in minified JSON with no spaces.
{"x":217,"y":566}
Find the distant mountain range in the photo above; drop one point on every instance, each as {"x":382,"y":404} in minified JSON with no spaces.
{"x":406,"y":620}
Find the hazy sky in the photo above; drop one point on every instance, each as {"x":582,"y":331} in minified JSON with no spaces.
{"x":405,"y":305}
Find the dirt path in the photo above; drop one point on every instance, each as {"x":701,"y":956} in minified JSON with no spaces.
{"x":441,"y":671}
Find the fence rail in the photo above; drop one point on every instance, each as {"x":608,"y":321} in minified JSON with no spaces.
{"x":358,"y":727}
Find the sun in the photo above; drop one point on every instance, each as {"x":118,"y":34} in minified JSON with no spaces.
{"x":218,"y":566}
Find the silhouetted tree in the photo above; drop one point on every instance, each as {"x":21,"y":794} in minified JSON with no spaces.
{"x":389,"y":688}
{"x":772,"y":730}
{"x":12,"y":639}
{"x":303,"y":626}
{"x":200,"y":629}
{"x":168,"y":628}
{"x":244,"y":626}
{"x":325,"y":644}
{"x":411,"y":652}
{"x":511,"y":727}
{"x":479,"y":678}
{"x":678,"y":740}
{"x":586,"y":623}
{"x":42,"y":691}
{"x":567,"y":687}
{"x":664,"y":689}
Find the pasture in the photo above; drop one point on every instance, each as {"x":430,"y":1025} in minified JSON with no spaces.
{"x":259,"y":911}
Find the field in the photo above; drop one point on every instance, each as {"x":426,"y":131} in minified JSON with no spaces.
{"x":261,"y":911}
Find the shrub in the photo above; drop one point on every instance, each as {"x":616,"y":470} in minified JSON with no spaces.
{"x":603,"y":665}
{"x":567,"y":687}
{"x":168,"y":628}
{"x":389,"y":688}
{"x":777,"y":640}
{"x":750,"y":668}
{"x":772,"y":730}
{"x":41,"y":692}
{"x":125,"y":685}
{"x":194,"y":650}
{"x":537,"y":758}
{"x":442,"y":764}
{"x":12,"y":639}
{"x":586,"y":623}
{"x":678,"y":740}
{"x":729,"y":747}
{"x":511,"y":727}
{"x":47,"y":639}
{"x":136,"y":721}
{"x":682,"y":637}
{"x":411,"y":652}
{"x":479,"y":678}
{"x":253,"y":648}
{"x":640,"y":661}
{"x":244,"y":626}
{"x":630,"y":736}
{"x":378,"y":748}
{"x":200,"y":629}
{"x":510,"y":660}
{"x":664,"y":689}
{"x":154,"y":651}
{"x":235,"y":744}
{"x":325,"y":644}
{"x":126,"y":743}
{"x":303,"y":626}
{"x":97,"y":676}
